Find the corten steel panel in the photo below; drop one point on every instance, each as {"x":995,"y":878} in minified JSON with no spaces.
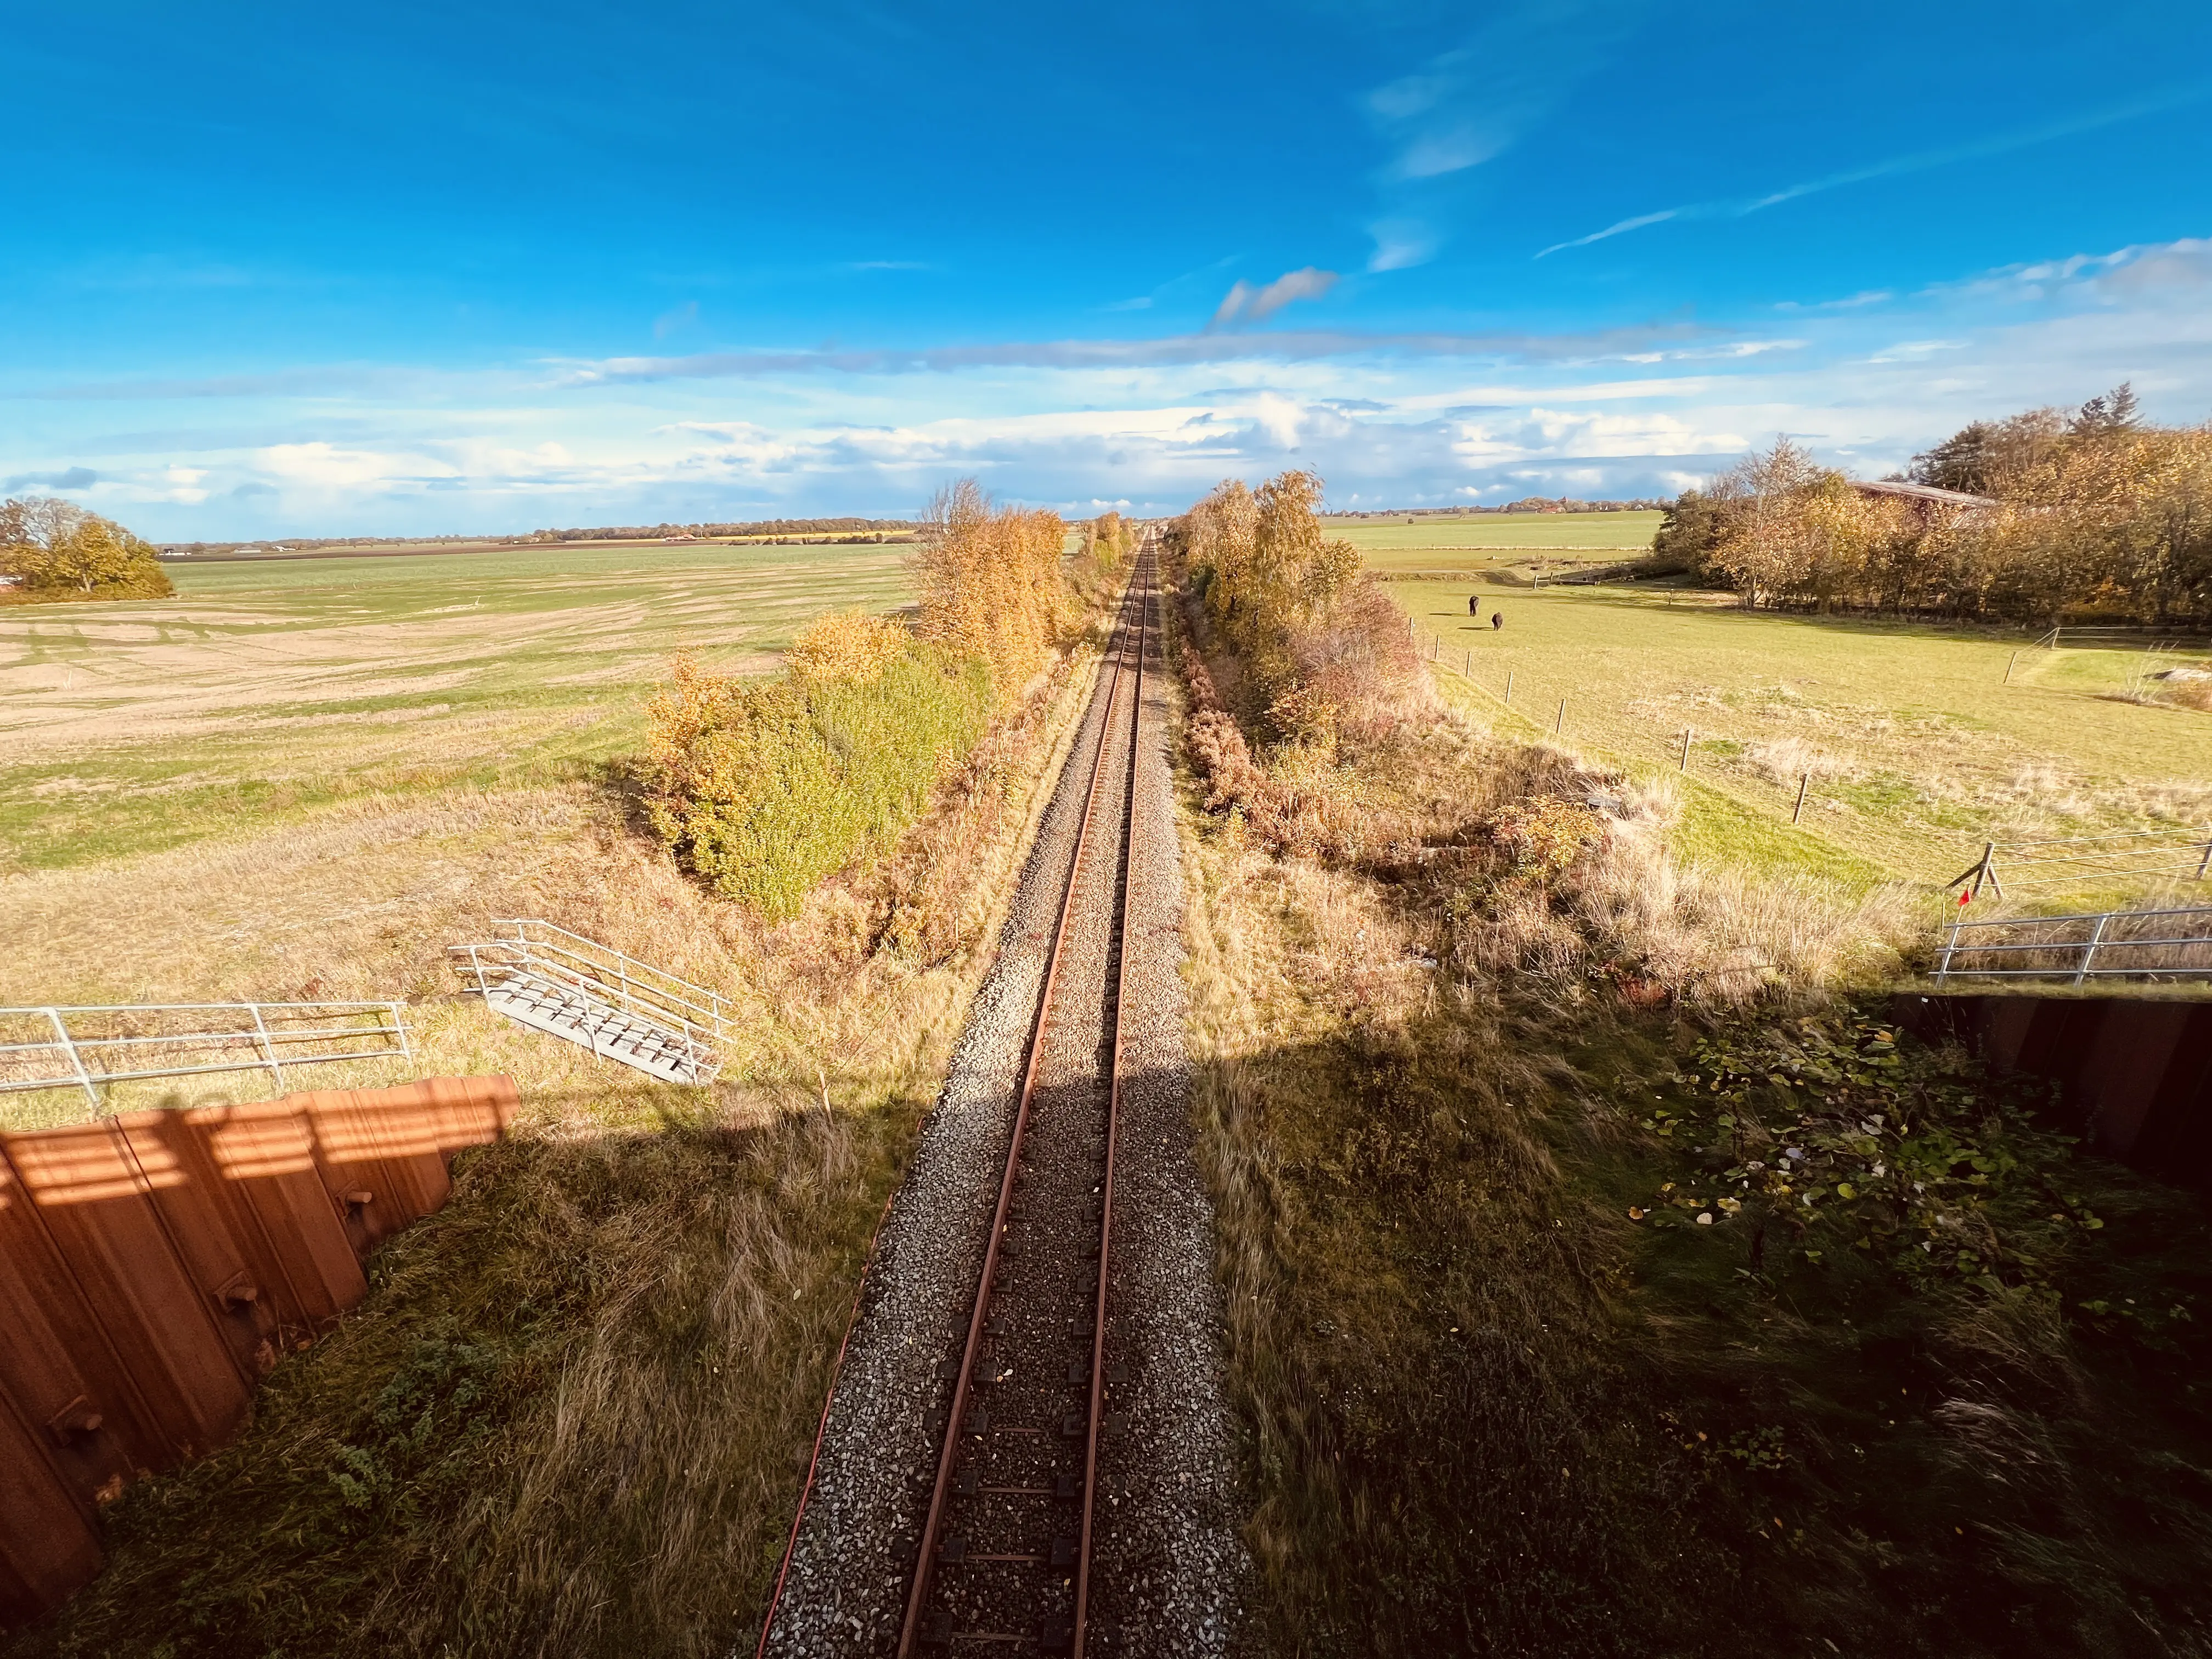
{"x":2134,"y":1050}
{"x":2006,"y":1027}
{"x":215,"y":1234}
{"x":86,"y":1186}
{"x":263,"y":1160}
{"x":56,"y":1366}
{"x":472,"y":1110}
{"x":47,"y":1548}
{"x":2176,"y":1139}
{"x":378,"y":1152}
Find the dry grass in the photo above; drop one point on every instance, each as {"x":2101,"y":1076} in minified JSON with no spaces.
{"x":1488,"y":1413}
{"x":572,"y":1416}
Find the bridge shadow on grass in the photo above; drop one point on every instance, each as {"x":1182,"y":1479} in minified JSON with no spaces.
{"x":571,"y":1417}
{"x":1490,"y":1413}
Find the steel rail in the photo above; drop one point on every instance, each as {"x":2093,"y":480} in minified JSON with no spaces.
{"x":918,"y":1589}
{"x":1113,"y":1125}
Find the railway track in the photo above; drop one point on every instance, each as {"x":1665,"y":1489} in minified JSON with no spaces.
{"x":1004,"y":1560}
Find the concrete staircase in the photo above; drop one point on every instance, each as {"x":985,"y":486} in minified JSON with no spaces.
{"x":621,"y":1009}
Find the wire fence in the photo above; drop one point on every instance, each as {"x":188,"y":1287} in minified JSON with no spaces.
{"x":2073,"y":861}
{"x":91,"y":1047}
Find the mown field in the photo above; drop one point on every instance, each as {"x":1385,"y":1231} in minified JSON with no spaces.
{"x":1525,"y":545}
{"x":1918,"y":751}
{"x":266,"y":688}
{"x":574,"y":1413}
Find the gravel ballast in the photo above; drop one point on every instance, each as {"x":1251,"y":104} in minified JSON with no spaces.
{"x":1168,"y":1575}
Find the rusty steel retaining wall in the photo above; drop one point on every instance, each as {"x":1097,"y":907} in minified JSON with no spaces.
{"x":2135,"y":1073}
{"x":153,"y":1266}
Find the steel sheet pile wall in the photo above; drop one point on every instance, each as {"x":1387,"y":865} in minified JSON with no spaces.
{"x":153,"y":1266}
{"x":2134,"y":1073}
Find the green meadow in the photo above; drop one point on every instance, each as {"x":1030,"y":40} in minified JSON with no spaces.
{"x":267,"y":686}
{"x":1916,"y":749}
{"x":1491,"y":540}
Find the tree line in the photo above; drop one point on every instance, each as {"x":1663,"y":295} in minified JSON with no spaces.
{"x":52,"y":551}
{"x":2092,"y":514}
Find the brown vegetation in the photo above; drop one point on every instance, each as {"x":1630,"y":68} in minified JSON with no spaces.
{"x":2098,"y":516}
{"x":1456,"y":1006}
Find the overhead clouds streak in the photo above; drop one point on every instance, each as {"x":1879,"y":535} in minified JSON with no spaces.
{"x":1895,"y":166}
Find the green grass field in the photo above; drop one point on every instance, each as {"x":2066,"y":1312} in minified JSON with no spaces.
{"x":1918,"y":748}
{"x":265,"y":688}
{"x":1442,"y":543}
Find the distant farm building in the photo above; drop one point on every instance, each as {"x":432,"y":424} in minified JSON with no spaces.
{"x":1927,"y":497}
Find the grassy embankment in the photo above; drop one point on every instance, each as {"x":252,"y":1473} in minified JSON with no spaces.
{"x":573,"y":1415}
{"x":1473,"y":1071}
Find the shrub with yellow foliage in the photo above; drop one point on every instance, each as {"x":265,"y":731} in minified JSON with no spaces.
{"x":992,"y":583}
{"x":762,"y":788}
{"x":1319,"y":644}
{"x":848,"y":645}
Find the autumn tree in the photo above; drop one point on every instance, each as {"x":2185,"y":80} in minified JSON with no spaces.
{"x":56,"y":550}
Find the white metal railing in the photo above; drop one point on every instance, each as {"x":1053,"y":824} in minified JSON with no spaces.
{"x":2134,"y":943}
{"x":598,"y":971}
{"x":88,"y":1046}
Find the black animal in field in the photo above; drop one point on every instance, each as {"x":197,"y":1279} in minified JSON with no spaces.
{"x":1498,"y":619}
{"x":1475,"y":605}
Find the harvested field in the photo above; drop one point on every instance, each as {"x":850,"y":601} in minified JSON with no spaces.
{"x":265,"y":689}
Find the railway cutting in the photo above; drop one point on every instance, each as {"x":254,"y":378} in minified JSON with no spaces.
{"x":1025,"y":1448}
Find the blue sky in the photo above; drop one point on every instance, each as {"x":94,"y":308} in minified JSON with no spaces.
{"x":412,"y":269}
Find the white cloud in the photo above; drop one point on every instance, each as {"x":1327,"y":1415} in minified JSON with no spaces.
{"x":1392,"y":419}
{"x":1401,"y":243}
{"x":1244,"y":304}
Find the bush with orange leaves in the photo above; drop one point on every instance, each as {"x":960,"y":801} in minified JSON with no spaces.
{"x":848,"y":645}
{"x":992,"y":583}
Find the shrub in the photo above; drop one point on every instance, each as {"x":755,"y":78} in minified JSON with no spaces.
{"x":55,"y":550}
{"x":848,"y":645}
{"x":992,"y":583}
{"x":763,"y":789}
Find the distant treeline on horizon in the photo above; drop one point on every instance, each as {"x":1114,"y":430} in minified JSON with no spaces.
{"x":1527,"y":504}
{"x":601,"y":533}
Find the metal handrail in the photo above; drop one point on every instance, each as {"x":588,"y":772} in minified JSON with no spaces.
{"x":710,"y":1005}
{"x":390,"y":1029}
{"x":606,"y":974}
{"x":2088,"y":948}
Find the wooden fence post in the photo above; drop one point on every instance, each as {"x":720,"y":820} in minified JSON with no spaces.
{"x":1798,"y":811}
{"x":1685,"y":766}
{"x":2009,"y":667}
{"x":1560,"y":723}
{"x":1509,"y":688}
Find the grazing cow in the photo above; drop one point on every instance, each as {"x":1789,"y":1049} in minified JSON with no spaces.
{"x":1498,"y":619}
{"x":1475,"y":605}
